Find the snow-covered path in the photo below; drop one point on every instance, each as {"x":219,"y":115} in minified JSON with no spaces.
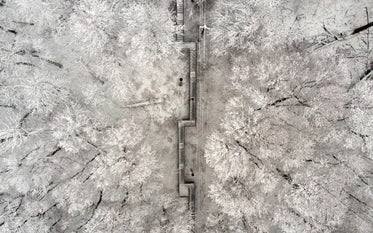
{"x":186,"y":182}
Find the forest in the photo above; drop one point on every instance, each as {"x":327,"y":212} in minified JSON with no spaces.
{"x":293,"y":150}
{"x":90,"y":99}
{"x":75,"y":155}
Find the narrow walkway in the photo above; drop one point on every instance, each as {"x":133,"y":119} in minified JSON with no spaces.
{"x":187,"y":187}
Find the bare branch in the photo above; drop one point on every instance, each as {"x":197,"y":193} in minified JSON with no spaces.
{"x":362,"y":28}
{"x":145,"y":103}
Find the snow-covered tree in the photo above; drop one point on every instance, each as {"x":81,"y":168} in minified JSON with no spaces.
{"x":360,"y":121}
{"x":128,"y":48}
{"x":234,"y":26}
{"x":242,"y":26}
{"x":11,"y":132}
{"x":155,"y":40}
{"x":74,"y":128}
{"x":93,"y":24}
{"x":166,"y":213}
{"x":281,"y":154}
{"x":32,"y":90}
{"x":72,"y":158}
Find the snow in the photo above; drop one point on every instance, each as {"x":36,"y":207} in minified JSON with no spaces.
{"x":301,"y":125}
{"x":90,"y":102}
{"x":77,"y":148}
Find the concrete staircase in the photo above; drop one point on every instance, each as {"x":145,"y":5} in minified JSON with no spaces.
{"x":180,"y":19}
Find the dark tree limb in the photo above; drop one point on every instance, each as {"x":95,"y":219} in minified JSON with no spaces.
{"x":42,"y":214}
{"x":93,"y":74}
{"x":293,"y":211}
{"x":93,"y":212}
{"x":85,"y":166}
{"x":357,"y":199}
{"x":25,"y":64}
{"x":367,"y":74}
{"x":8,"y":30}
{"x":360,"y":215}
{"x":19,"y":204}
{"x":333,"y":38}
{"x":352,"y":169}
{"x":368,"y":49}
{"x":55,"y":223}
{"x":87,"y":178}
{"x":51,"y":188}
{"x":24,"y":23}
{"x":362,"y":28}
{"x":54,"y":152}
{"x":5,"y":139}
{"x":8,"y":106}
{"x":24,"y":157}
{"x":279,"y":101}
{"x":253,"y":155}
{"x":284,"y":175}
{"x":59,"y":65}
{"x":12,"y":31}
{"x":302,"y":102}
{"x":22,"y":120}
